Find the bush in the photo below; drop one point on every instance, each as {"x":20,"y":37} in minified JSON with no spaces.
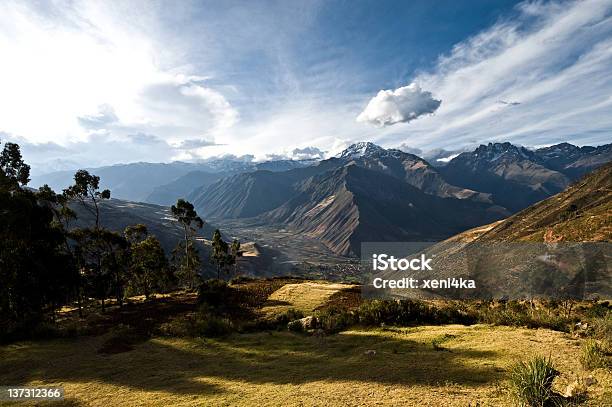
{"x":532,"y":381}
{"x":593,"y":355}
{"x":602,"y":328}
{"x":215,"y":293}
{"x":213,"y":326}
{"x":333,"y":320}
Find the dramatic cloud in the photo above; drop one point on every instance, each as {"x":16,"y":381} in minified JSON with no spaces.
{"x":73,"y":69}
{"x":401,"y":105}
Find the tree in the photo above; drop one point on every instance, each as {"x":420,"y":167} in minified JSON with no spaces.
{"x":235,"y":253}
{"x":102,"y":259}
{"x":15,"y":173}
{"x":86,"y":190}
{"x":35,"y":273}
{"x":220,"y":255}
{"x":185,"y":254}
{"x":148,"y":263}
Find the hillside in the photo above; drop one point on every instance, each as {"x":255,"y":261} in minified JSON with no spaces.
{"x":117,"y":214}
{"x":581,"y":213}
{"x":353,"y":204}
{"x":515,"y":257}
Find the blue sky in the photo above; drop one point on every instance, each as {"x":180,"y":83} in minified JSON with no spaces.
{"x":95,"y":83}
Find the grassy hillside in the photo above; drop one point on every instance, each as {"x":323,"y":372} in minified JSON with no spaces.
{"x":581,"y":213}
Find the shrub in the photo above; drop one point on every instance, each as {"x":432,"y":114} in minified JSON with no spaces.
{"x":532,"y":381}
{"x":333,"y":320}
{"x":593,"y":355}
{"x":215,"y":293}
{"x":212,"y":326}
{"x":602,"y":328}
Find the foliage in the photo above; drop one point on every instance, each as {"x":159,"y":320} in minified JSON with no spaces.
{"x":185,"y":254}
{"x":36,"y":273}
{"x":148,"y":266}
{"x":86,"y":190}
{"x":14,"y":172}
{"x":532,"y":382}
{"x":215,"y":293}
{"x":594,"y":355}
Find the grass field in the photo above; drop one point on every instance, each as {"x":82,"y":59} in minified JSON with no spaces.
{"x":468,"y":365}
{"x":449,"y":365}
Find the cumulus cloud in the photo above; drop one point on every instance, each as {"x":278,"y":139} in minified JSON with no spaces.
{"x":401,"y":105}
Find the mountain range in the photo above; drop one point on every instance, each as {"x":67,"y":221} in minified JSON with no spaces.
{"x":163,"y":183}
{"x":366,"y":193}
{"x":369,"y":193}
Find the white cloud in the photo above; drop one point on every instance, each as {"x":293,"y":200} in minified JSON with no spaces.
{"x":401,"y":105}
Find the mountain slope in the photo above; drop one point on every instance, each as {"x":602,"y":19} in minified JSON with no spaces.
{"x":116,"y":215}
{"x":167,"y":194}
{"x":352,"y":204}
{"x":583,"y":212}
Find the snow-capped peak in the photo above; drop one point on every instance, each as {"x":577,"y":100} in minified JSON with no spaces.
{"x":361,"y":149}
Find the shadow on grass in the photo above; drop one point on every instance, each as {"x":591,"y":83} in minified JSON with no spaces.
{"x":183,"y":366}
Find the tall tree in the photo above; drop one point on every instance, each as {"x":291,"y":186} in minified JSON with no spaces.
{"x":34,"y":271}
{"x":188,"y":218}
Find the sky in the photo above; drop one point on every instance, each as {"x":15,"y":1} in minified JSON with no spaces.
{"x":84,"y":84}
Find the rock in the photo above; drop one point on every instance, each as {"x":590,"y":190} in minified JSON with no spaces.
{"x":308,"y":322}
{"x":574,"y":390}
{"x":302,"y":324}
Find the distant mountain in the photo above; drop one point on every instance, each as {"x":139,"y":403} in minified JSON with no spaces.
{"x":409,"y":168}
{"x":163,"y":183}
{"x":525,"y":180}
{"x":182,"y":186}
{"x":574,"y":161}
{"x":366,"y":193}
